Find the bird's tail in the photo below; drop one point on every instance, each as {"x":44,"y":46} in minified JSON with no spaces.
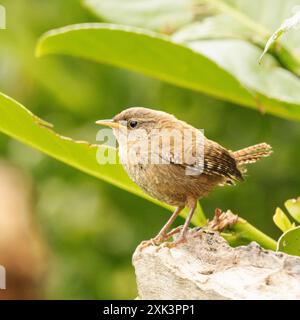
{"x":252,"y":154}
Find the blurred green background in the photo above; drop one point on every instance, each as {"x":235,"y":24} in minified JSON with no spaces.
{"x":90,"y":227}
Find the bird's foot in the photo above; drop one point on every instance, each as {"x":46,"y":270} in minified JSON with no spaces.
{"x":164,"y":243}
{"x":145,"y":244}
{"x":173,"y":244}
{"x":159,"y":239}
{"x":173,"y":232}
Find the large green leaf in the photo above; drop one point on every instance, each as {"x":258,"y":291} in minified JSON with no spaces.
{"x":289,"y":242}
{"x":145,"y":52}
{"x":19,"y":123}
{"x":212,"y":67}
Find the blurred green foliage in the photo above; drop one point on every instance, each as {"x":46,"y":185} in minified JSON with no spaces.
{"x":92,"y":228}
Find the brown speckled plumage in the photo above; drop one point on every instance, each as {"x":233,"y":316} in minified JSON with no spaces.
{"x":169,"y":183}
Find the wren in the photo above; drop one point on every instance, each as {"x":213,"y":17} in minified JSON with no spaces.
{"x":179,"y":178}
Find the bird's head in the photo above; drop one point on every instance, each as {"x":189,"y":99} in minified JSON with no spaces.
{"x":135,"y":118}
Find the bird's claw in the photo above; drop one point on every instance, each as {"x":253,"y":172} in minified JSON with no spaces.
{"x":145,"y":244}
{"x":153,"y":242}
{"x":173,"y":244}
{"x":161,"y":241}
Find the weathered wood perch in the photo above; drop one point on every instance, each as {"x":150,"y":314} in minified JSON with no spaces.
{"x":206,"y":267}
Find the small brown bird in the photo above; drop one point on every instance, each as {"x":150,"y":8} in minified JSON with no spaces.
{"x":179,"y":178}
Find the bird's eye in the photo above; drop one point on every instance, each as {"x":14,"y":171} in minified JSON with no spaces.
{"x":133,"y":124}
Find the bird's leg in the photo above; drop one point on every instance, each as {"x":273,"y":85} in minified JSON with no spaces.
{"x":192,"y":204}
{"x":162,"y":235}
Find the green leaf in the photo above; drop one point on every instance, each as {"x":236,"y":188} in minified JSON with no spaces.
{"x":213,"y":67}
{"x":286,"y":26}
{"x":164,"y":16}
{"x":289,"y":242}
{"x":19,"y":123}
{"x":293,"y":207}
{"x":282,"y":221}
{"x":145,"y":52}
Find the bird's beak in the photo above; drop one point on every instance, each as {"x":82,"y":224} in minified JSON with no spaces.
{"x":108,"y":123}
